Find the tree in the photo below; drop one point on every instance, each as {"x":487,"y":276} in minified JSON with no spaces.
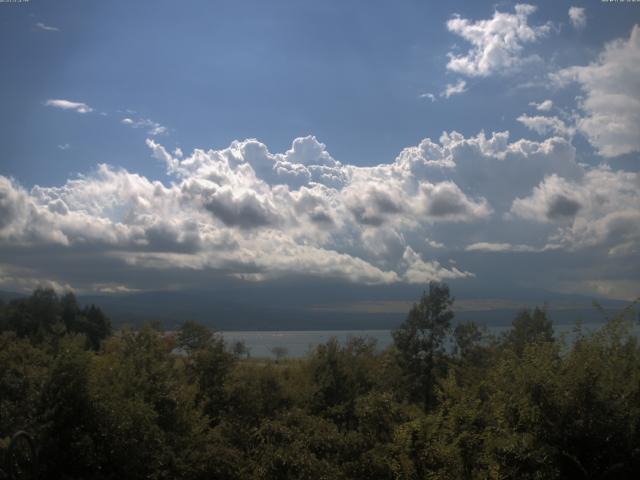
{"x":34,"y":316}
{"x":240,"y":349}
{"x":67,"y":414}
{"x":255,"y":393}
{"x":529,"y":327}
{"x":23,"y":371}
{"x":340,"y":375}
{"x":193,"y":336}
{"x":95,"y":324}
{"x":279,"y":352}
{"x":420,"y":341}
{"x":208,"y":363}
{"x":43,"y":316}
{"x":468,"y":337}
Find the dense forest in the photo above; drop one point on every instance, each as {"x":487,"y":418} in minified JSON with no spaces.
{"x":445,"y":401}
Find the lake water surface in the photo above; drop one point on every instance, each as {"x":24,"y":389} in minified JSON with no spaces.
{"x":299,"y":343}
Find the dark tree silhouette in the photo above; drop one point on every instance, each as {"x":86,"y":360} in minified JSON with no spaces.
{"x":467,"y":336}
{"x":420,"y":341}
{"x":193,"y":336}
{"x":45,"y":315}
{"x":529,"y":327}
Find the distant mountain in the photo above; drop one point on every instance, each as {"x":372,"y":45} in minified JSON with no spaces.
{"x":327,"y":307}
{"x":8,"y":296}
{"x":257,"y":311}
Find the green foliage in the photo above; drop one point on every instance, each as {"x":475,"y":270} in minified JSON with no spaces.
{"x":297,"y":446}
{"x":152,"y":405}
{"x":23,"y":372}
{"x":340,"y":375}
{"x":255,"y":393}
{"x":193,"y":336}
{"x":149,"y":418}
{"x":208,"y":368}
{"x":420,"y":342}
{"x":529,"y":327}
{"x":468,"y":338}
{"x":66,"y":415}
{"x":43,"y":317}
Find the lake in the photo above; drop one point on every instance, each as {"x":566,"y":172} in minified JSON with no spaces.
{"x":299,"y":343}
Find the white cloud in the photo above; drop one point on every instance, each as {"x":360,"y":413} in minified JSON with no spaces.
{"x":446,"y":201}
{"x":499,"y":247}
{"x":543,"y":106}
{"x":490,"y":168}
{"x":420,"y":272}
{"x":611,"y":104}
{"x":497,"y":43}
{"x":46,"y":28}
{"x":553,"y":199}
{"x":578,"y":17}
{"x":78,"y":107}
{"x":428,"y":95}
{"x":434,"y":244}
{"x":450,"y":89}
{"x":241,"y":210}
{"x":600,"y":209}
{"x":20,"y":279}
{"x":454,"y":89}
{"x":544,"y":125}
{"x":252,"y":214}
{"x":620,"y":289}
{"x":152,"y":128}
{"x":64,"y":146}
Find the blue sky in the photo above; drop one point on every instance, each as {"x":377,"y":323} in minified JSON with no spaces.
{"x":213,"y":72}
{"x":366,"y":79}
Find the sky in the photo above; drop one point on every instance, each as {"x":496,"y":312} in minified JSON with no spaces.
{"x":370,"y":145}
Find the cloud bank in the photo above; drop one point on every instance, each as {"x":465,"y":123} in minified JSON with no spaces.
{"x":250,"y":214}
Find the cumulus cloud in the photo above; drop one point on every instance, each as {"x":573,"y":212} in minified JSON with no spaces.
{"x":372,"y":205}
{"x":543,"y":106}
{"x":245,"y":212}
{"x":445,"y":200}
{"x":78,"y":107}
{"x":497,"y":44}
{"x":600,"y":209}
{"x":554,"y":199}
{"x":578,"y":17}
{"x":611,"y":105}
{"x":491,"y":168}
{"x":544,"y":125}
{"x":418,"y":271}
{"x":454,"y":89}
